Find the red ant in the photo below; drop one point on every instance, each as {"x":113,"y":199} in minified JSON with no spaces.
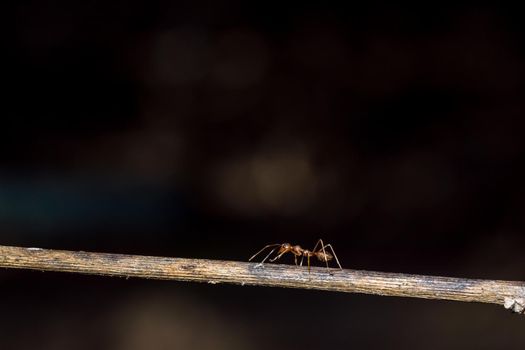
{"x":297,"y":251}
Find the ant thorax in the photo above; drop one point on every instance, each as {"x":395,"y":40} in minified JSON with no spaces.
{"x":285,"y":247}
{"x":297,"y":250}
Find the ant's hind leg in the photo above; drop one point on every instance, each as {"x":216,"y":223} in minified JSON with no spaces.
{"x":320,"y":241}
{"x":335,"y":255}
{"x":324,"y":252}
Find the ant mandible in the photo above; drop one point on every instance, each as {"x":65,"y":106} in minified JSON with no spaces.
{"x":321,"y":254}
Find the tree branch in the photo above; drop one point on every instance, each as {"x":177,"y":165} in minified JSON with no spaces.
{"x":510,"y":294}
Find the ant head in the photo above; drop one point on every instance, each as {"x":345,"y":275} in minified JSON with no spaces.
{"x":285,"y":247}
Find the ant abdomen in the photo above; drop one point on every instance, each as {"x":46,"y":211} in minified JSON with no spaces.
{"x":324,"y":257}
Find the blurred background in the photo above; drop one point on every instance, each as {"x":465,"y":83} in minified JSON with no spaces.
{"x":206,"y":129}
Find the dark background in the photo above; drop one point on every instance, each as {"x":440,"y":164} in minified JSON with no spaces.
{"x":207,"y":130}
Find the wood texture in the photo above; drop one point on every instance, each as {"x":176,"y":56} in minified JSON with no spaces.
{"x":510,"y":294}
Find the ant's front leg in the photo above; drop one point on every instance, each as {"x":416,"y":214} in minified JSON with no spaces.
{"x":267,"y":256}
{"x":278,"y":256}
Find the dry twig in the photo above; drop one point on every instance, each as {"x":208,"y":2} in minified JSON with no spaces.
{"x":507,"y":293}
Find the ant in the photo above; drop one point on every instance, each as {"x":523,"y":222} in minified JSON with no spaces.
{"x":298,"y":251}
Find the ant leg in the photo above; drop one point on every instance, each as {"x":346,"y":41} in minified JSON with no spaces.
{"x":324,"y":252}
{"x":295,"y":259}
{"x":302,"y":258}
{"x":319,"y":241}
{"x":278,"y":256}
{"x":267,"y":256}
{"x":260,"y":251}
{"x":308,"y":258}
{"x":335,"y":256}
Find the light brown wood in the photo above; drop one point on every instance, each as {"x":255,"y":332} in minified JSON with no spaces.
{"x":510,"y":294}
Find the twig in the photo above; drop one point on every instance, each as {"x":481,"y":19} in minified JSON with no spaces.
{"x":511,"y":294}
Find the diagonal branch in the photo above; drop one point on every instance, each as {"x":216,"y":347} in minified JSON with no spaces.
{"x":510,"y":294}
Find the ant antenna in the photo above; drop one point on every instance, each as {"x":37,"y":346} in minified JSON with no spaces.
{"x":267,"y":256}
